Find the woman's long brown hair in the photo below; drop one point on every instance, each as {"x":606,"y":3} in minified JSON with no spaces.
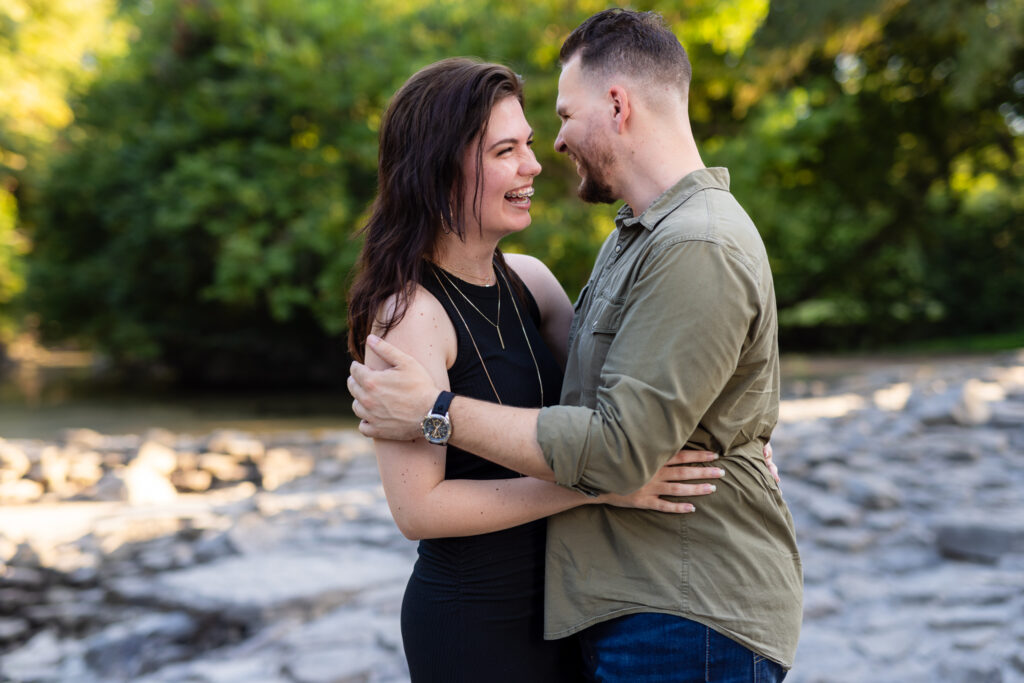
{"x":432,"y":119}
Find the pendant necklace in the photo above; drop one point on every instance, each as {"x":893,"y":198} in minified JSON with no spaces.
{"x":497,"y":318}
{"x":501,"y":275}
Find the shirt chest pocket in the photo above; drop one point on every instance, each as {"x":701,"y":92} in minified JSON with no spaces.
{"x":595,"y":338}
{"x":606,"y":316}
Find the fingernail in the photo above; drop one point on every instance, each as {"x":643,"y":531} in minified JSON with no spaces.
{"x":720,"y":471}
{"x":710,"y":488}
{"x":372,"y":339}
{"x":689,"y":508}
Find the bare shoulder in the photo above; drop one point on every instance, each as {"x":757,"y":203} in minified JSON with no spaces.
{"x":555,"y":307}
{"x":533,"y":272}
{"x":425,"y":331}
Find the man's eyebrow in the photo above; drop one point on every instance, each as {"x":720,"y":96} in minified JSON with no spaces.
{"x":508,"y":141}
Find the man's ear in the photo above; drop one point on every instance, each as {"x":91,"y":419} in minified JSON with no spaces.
{"x":621,"y":108}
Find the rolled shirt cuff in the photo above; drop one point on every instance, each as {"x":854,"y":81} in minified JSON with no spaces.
{"x":562,"y":432}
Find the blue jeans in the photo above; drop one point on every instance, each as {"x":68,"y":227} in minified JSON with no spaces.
{"x":662,"y":648}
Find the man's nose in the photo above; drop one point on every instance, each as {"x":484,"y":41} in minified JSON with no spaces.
{"x":560,"y":143}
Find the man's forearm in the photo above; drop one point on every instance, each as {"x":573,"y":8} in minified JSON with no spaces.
{"x":502,"y":434}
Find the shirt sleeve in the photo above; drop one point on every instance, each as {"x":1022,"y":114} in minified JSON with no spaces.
{"x":683,"y":328}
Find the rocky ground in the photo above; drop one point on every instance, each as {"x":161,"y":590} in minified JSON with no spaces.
{"x":240,"y":557}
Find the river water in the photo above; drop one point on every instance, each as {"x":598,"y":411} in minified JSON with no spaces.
{"x":40,"y":403}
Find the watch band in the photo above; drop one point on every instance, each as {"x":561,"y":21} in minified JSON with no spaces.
{"x":443,"y":402}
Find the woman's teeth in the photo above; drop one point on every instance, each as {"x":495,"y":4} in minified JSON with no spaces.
{"x":520,"y":194}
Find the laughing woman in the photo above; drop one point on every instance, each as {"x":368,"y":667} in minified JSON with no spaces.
{"x":456,"y":175}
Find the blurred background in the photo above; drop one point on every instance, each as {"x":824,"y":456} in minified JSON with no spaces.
{"x":181,"y":183}
{"x":182,"y":495}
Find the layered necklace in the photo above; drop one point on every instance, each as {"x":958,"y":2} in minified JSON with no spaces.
{"x":497,"y":317}
{"x":498,"y":278}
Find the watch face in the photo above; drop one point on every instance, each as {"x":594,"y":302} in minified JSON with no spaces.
{"x":436,"y":429}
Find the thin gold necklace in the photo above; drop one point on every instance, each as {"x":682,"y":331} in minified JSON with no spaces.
{"x":465,"y":275}
{"x":497,"y":319}
{"x":515,"y":307}
{"x":529,"y":346}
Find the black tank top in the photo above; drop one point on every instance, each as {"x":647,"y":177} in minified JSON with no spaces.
{"x":511,"y":369}
{"x":473,"y":609}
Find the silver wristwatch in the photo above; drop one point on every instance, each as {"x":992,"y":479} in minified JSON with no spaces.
{"x":437,"y":428}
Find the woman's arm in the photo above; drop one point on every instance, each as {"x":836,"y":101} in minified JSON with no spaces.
{"x":425,"y":505}
{"x":555,"y":307}
{"x":422,"y":502}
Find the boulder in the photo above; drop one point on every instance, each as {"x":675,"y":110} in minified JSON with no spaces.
{"x":872,"y":491}
{"x":146,"y":485}
{"x":983,"y":541}
{"x":12,"y":628}
{"x":192,"y":480}
{"x":237,"y":444}
{"x":280,"y":466}
{"x":85,"y":469}
{"x":55,"y":465}
{"x":14,"y":464}
{"x":85,"y":438}
{"x":20,"y":491}
{"x":157,"y":457}
{"x":224,"y":467}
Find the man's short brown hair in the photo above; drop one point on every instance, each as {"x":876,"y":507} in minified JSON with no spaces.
{"x":636,"y":44}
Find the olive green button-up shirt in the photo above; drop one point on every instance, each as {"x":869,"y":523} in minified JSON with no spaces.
{"x":674,"y":345}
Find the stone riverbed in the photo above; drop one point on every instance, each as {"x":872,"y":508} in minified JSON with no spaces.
{"x":237,"y":557}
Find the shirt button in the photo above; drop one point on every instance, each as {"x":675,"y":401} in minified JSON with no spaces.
{"x":618,"y":248}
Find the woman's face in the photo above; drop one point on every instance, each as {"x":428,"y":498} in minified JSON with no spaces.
{"x":508,"y":169}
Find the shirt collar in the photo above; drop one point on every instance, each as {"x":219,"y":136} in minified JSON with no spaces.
{"x":669,"y":200}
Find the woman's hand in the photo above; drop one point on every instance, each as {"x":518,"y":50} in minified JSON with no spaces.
{"x":668,"y":481}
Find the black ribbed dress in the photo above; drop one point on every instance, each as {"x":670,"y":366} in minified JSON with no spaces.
{"x":473,"y":609}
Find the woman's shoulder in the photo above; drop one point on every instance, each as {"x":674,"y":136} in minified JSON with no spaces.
{"x":421,"y":309}
{"x":424,"y":322}
{"x":524,"y":264}
{"x":532,"y":271}
{"x":535,"y":274}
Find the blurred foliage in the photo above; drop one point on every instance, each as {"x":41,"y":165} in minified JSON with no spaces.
{"x":46,"y":51}
{"x":215,"y":159}
{"x":879,"y":146}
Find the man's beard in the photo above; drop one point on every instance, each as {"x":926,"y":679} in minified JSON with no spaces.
{"x":594,"y":188}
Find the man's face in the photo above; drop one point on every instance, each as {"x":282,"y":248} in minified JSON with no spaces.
{"x":583,"y":133}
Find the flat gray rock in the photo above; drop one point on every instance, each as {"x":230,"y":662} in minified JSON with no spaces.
{"x":984,"y":541}
{"x":275,"y":581}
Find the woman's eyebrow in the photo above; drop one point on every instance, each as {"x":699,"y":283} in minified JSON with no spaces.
{"x":506,"y":141}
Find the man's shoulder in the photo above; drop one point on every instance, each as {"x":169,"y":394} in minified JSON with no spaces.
{"x":712,"y":216}
{"x":709,"y":213}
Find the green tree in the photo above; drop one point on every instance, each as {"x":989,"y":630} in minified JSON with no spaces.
{"x":879,"y":147}
{"x":202,"y":214}
{"x":200,"y":210}
{"x":45,"y":52}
